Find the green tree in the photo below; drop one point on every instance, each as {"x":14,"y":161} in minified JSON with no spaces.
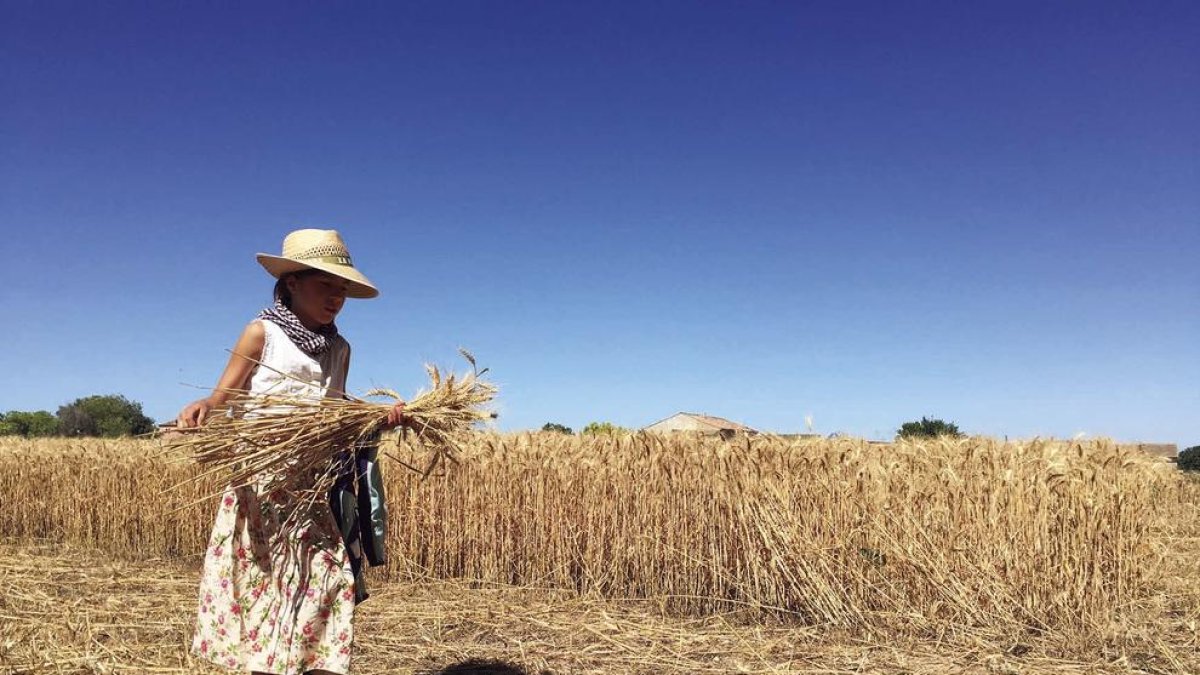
{"x":73,"y":420}
{"x":928,"y":428}
{"x":109,"y":416}
{"x":1189,"y":460}
{"x":35,"y":424}
{"x":603,"y":428}
{"x":554,"y":426}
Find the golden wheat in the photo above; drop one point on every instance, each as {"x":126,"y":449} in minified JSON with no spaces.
{"x":965,"y":537}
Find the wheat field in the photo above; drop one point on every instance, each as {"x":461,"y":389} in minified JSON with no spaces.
{"x":1073,"y":546}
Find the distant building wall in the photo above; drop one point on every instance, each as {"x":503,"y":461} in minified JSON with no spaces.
{"x":1168,"y":450}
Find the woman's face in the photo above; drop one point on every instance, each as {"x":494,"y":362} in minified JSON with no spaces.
{"x":317,"y":297}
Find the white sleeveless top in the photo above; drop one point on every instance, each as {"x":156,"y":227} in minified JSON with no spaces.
{"x":321,"y":377}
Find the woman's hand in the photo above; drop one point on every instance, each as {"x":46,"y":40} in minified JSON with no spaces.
{"x":395,"y":416}
{"x":194,"y":414}
{"x":242,"y":362}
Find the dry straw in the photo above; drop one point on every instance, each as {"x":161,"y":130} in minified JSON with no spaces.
{"x":289,"y":444}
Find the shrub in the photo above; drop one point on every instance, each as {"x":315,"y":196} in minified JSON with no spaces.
{"x":595,"y":428}
{"x":28,"y":424}
{"x":1189,"y":460}
{"x":928,"y":428}
{"x":110,"y":416}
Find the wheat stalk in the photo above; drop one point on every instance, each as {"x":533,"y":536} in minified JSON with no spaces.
{"x":290,"y":445}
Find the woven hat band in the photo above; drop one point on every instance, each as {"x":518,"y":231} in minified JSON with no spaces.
{"x":334,"y":259}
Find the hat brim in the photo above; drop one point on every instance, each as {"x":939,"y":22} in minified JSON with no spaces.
{"x":359,"y":286}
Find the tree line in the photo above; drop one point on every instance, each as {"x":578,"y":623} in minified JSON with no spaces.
{"x":925,"y":428}
{"x":108,"y":416}
{"x":113,"y":415}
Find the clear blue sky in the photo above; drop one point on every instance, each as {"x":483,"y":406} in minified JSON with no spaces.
{"x":866,"y":212}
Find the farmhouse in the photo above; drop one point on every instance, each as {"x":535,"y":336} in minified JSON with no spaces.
{"x":701,"y":423}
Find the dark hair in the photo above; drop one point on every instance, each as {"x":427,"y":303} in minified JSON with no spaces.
{"x":281,"y":289}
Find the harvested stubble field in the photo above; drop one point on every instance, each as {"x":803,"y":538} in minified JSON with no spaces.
{"x":649,"y":554}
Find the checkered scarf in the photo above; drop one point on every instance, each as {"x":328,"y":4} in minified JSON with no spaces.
{"x":309,"y":342}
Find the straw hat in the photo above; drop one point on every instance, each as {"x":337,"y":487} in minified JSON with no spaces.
{"x":319,"y":250}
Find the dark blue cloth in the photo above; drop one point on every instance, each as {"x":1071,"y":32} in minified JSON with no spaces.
{"x":358,"y":505}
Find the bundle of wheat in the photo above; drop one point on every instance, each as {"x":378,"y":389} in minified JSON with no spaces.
{"x":289,"y":444}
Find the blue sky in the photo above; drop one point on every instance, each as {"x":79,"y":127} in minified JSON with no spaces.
{"x":863,"y":212}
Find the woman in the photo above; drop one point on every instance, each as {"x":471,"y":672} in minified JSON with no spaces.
{"x":277,"y":600}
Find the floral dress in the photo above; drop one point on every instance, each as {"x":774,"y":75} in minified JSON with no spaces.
{"x":274,"y":599}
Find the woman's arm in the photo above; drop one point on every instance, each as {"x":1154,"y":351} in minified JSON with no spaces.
{"x":237,"y":373}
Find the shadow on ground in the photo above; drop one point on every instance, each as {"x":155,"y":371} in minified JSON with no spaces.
{"x":484,"y":667}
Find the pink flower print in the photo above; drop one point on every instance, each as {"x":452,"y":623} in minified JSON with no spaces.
{"x":348,"y":594}
{"x":241,"y":553}
{"x":308,"y":628}
{"x":221,"y":619}
{"x":324,"y":614}
{"x":218,"y":550}
{"x":225,"y":583}
{"x":252,"y":634}
{"x":204,"y":646}
{"x":310,"y":593}
{"x":228,"y":500}
{"x":235,"y":608}
{"x":231,"y":662}
{"x":208,"y":597}
{"x":344,"y":650}
{"x":221,"y":632}
{"x":256,"y":648}
{"x":342,"y":636}
{"x":256,"y":592}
